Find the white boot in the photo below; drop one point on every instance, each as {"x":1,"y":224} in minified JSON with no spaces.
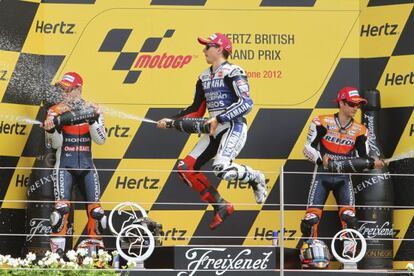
{"x":259,"y":187}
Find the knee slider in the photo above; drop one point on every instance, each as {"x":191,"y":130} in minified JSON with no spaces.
{"x":348,"y":216}
{"x":58,"y":216}
{"x":226,"y":172}
{"x":98,"y":214}
{"x":307,"y":224}
{"x":182,"y":167}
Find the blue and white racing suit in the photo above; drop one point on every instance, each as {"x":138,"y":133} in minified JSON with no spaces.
{"x":225,"y":94}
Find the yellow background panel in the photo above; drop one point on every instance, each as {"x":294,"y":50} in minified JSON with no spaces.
{"x":177,"y":233}
{"x":121,"y":123}
{"x":397,"y":82}
{"x":14,"y":131}
{"x":8,"y":61}
{"x":405,"y":147}
{"x":56,"y":28}
{"x":138,"y":180}
{"x":269,"y":89}
{"x":18,"y":185}
{"x":379,"y":34}
{"x":340,"y":4}
{"x":241,"y":4}
{"x":268,"y":221}
{"x":80,"y":220}
{"x":402,"y":219}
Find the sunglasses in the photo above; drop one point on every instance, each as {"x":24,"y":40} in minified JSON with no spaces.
{"x":351,"y":104}
{"x":63,"y":89}
{"x":208,"y":46}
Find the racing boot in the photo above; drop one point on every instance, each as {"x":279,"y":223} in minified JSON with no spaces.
{"x":222,"y":210}
{"x":259,"y":187}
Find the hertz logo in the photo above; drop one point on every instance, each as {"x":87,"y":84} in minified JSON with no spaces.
{"x":134,"y":62}
{"x":49,"y":28}
{"x":17,"y":129}
{"x":372,"y":30}
{"x":267,"y":234}
{"x":118,"y":131}
{"x":399,"y":79}
{"x":145,"y":183}
{"x":174,"y":234}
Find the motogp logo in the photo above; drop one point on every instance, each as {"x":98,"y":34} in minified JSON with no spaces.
{"x":144,"y":58}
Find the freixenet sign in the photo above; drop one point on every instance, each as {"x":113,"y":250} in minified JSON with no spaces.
{"x":219,"y":260}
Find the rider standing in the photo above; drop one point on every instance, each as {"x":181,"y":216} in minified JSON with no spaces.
{"x":335,"y":137}
{"x":74,"y":163}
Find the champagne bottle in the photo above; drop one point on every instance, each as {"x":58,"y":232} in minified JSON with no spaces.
{"x":190,"y":125}
{"x":40,"y":194}
{"x":375,"y":192}
{"x":75,"y":117}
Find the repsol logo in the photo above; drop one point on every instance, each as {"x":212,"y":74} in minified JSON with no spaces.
{"x":174,"y":234}
{"x":16,"y":128}
{"x":54,"y":28}
{"x":373,"y":30}
{"x":339,"y":141}
{"x":263,"y":233}
{"x":145,"y":183}
{"x":145,"y":57}
{"x":118,"y":131}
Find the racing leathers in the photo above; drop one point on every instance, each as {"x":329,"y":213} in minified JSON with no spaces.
{"x":74,"y":164}
{"x":326,"y":136}
{"x":225,"y":94}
